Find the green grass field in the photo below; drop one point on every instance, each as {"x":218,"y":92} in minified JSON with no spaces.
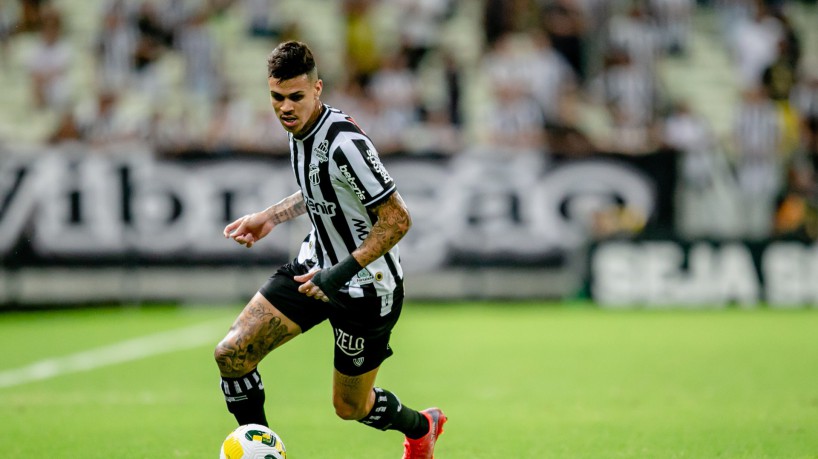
{"x":517,"y":381}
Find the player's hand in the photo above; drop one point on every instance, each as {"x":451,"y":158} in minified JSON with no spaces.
{"x":249,"y":229}
{"x":310,"y":289}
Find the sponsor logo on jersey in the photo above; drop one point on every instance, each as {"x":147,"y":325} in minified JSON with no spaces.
{"x":348,"y":344}
{"x":352,"y":182}
{"x":322,"y":151}
{"x":361,"y":228}
{"x":377,"y":165}
{"x":364,"y":277}
{"x":321,"y":208}
{"x":315,"y":178}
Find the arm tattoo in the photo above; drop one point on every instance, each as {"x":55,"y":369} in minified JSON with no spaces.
{"x":288,"y":208}
{"x":393,"y":223}
{"x":255,"y":333}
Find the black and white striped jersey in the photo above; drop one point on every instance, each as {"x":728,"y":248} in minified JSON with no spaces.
{"x":342,"y":178}
{"x":757,"y":130}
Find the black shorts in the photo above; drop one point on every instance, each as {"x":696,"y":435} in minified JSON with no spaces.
{"x":362,"y":326}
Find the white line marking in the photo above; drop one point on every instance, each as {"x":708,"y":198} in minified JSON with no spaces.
{"x":125,"y":351}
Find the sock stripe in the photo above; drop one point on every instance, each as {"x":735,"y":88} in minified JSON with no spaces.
{"x":388,"y":413}
{"x":250,"y":381}
{"x":245,"y":398}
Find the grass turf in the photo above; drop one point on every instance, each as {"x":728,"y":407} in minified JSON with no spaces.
{"x":517,"y":381}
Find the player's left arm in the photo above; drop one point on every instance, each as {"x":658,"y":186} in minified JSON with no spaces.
{"x":393,"y":223}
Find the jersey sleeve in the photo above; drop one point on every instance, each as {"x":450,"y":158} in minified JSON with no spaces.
{"x":359,"y":166}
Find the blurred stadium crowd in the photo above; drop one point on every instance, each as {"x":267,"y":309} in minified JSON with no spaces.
{"x":522,"y":78}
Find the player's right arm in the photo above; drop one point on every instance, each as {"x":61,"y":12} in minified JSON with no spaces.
{"x":249,"y":229}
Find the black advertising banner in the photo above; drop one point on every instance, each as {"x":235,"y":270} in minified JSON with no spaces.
{"x":479,"y":208}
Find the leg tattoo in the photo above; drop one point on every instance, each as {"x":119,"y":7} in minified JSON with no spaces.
{"x":256,"y":332}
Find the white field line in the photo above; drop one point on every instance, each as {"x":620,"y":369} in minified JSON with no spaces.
{"x":125,"y":351}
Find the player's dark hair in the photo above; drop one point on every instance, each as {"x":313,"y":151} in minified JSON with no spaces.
{"x":291,"y":59}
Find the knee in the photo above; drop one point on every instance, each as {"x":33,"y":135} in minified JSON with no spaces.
{"x":229,"y":363}
{"x":349,"y":410}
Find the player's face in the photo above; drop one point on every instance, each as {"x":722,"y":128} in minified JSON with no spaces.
{"x":296,"y":102}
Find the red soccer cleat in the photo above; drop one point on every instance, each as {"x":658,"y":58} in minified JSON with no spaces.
{"x":424,"y":447}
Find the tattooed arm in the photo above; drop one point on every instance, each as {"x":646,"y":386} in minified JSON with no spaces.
{"x":288,"y":208}
{"x":393,"y":223}
{"x":249,"y":229}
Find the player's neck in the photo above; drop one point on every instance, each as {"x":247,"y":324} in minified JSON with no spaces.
{"x":316,"y":114}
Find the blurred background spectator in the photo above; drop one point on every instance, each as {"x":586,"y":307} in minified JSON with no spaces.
{"x":757,"y":137}
{"x":727,"y":85}
{"x":49,"y":62}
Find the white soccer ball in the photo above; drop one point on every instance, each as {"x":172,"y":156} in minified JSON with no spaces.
{"x":253,"y":441}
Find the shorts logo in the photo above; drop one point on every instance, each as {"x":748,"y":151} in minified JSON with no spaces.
{"x":348,"y":344}
{"x":358,"y":361}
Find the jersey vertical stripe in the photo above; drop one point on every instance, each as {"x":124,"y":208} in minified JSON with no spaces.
{"x":301,"y":167}
{"x":342,"y":179}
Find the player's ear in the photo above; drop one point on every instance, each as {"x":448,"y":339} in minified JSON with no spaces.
{"x":319,"y":86}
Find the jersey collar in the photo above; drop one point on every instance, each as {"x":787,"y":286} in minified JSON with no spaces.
{"x":323,"y":116}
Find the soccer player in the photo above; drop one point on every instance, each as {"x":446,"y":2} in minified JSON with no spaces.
{"x":347,"y":271}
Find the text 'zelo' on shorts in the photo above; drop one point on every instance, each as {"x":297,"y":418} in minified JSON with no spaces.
{"x":361,"y":332}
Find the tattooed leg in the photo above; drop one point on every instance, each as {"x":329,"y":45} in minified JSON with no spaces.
{"x":357,"y":398}
{"x":259,"y":329}
{"x":352,"y":396}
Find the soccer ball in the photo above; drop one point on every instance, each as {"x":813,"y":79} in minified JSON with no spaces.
{"x":253,"y":441}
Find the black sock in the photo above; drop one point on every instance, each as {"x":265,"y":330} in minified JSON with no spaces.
{"x":389,"y":414}
{"x":245,"y":398}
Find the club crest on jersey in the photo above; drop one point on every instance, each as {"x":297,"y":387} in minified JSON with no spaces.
{"x":322,"y":151}
{"x":315,"y":179}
